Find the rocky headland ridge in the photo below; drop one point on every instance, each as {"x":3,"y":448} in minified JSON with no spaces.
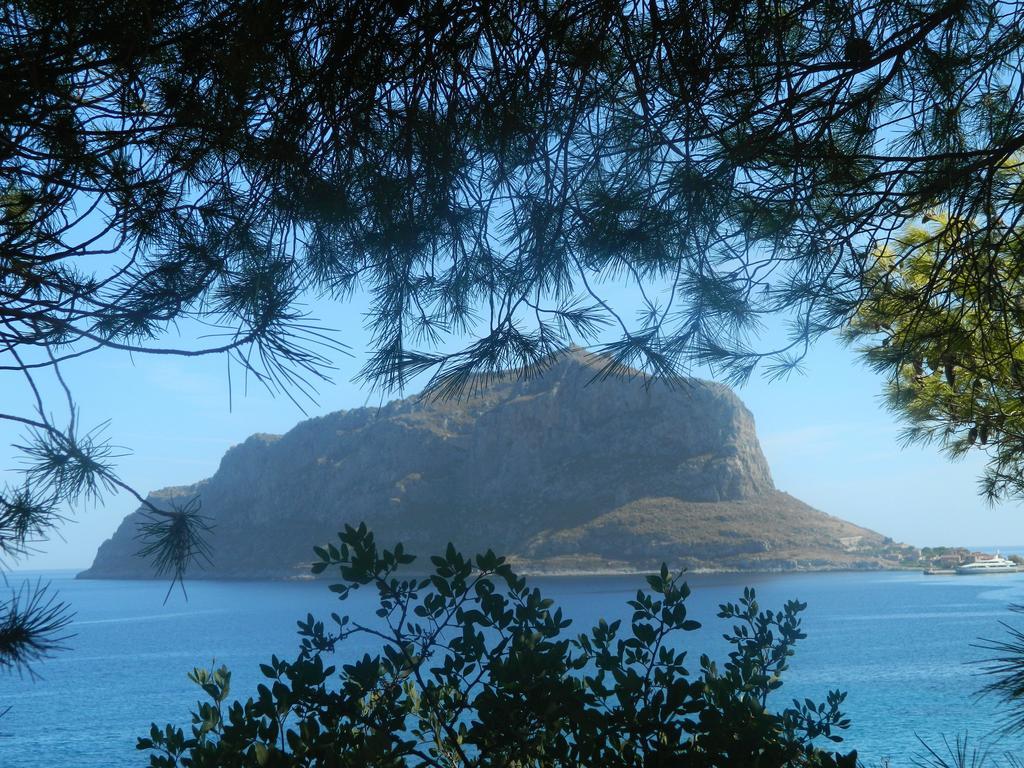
{"x":562,"y":472}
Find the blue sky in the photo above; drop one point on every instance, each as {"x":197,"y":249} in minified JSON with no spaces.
{"x":827,"y":439}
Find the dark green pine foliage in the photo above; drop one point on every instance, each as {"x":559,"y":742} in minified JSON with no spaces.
{"x":474,"y":668}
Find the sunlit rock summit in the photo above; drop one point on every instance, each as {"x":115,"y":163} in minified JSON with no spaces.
{"x":562,"y":472}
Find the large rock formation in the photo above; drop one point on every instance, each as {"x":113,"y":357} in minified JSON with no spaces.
{"x":561,"y":472}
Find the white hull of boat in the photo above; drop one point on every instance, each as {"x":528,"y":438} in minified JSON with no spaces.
{"x":978,"y":569}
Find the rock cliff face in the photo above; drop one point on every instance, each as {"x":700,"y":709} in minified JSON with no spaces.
{"x":561,"y":472}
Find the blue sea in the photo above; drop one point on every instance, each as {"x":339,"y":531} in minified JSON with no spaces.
{"x":900,"y":644}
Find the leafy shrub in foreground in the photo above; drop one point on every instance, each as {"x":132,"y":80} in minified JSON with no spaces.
{"x":476,"y":669}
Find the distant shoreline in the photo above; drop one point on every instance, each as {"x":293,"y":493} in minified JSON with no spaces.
{"x":529,"y":573}
{"x":78,"y":573}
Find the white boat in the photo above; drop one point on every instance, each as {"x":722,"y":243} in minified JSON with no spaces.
{"x":996,"y":564}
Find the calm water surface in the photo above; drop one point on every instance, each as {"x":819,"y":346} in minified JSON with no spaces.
{"x":899,"y":644}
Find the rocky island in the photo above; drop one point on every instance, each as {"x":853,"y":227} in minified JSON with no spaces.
{"x":561,"y":472}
